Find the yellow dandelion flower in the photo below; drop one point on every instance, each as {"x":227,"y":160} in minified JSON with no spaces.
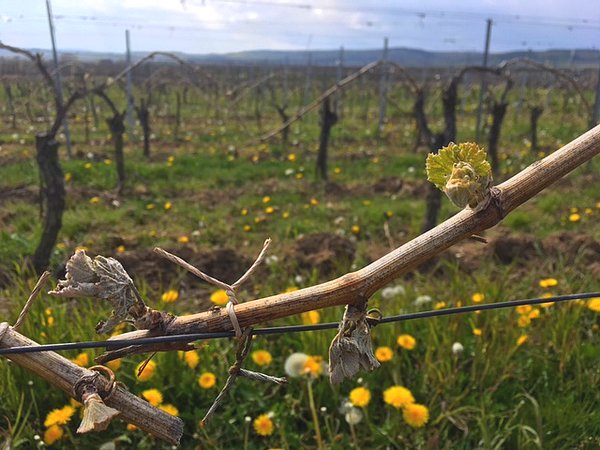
{"x":523,"y":321}
{"x":247,"y":228}
{"x":415,"y":415}
{"x":192,"y":359}
{"x":68,"y":177}
{"x":50,"y":321}
{"x":148,"y":371}
{"x":548,"y":282}
{"x":523,"y":309}
{"x":313,"y":366}
{"x":261,"y":357}
{"x":167,"y":206}
{"x":108,"y":162}
{"x":398,"y":396}
{"x":534,"y":313}
{"x":95,"y":200}
{"x":477,"y":331}
{"x":169,"y":409}
{"x":337,"y":170}
{"x":439,"y":305}
{"x":114,"y":365}
{"x":87,"y":166}
{"x":82,"y":360}
{"x":311,"y":317}
{"x":360,"y":396}
{"x":53,"y":434}
{"x":131,"y":427}
{"x":170,"y":296}
{"x":266,"y":199}
{"x":291,"y":289}
{"x":547,"y":304}
{"x":207,"y":380}
{"x":355,"y":229}
{"x":219,"y":297}
{"x":150,"y":206}
{"x":183,"y":239}
{"x":244,"y":212}
{"x":314,"y":201}
{"x":291,"y":157}
{"x":389,"y":214}
{"x":575,"y":217}
{"x":285,"y":215}
{"x":121,"y":249}
{"x":263,"y":425}
{"x":299,"y":176}
{"x":59,"y":416}
{"x":269,"y":210}
{"x":477,"y":297}
{"x":153,"y":396}
{"x":384,"y":354}
{"x":594,"y":304}
{"x":406,"y":341}
{"x":522,"y":339}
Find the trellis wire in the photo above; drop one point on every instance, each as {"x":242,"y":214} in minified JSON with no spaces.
{"x":119,"y":343}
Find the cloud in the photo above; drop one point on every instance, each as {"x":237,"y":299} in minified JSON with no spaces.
{"x":196,"y":26}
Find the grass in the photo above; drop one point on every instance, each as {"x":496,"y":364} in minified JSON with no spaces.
{"x":496,"y":393}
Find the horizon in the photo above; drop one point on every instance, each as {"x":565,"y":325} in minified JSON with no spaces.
{"x":317,"y":50}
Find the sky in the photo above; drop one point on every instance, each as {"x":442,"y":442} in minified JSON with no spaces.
{"x":223,"y":26}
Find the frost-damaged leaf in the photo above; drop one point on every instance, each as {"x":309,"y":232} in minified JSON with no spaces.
{"x":351,"y":348}
{"x":102,"y":278}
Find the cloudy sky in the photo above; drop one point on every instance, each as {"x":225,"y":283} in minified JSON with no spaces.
{"x":220,"y":26}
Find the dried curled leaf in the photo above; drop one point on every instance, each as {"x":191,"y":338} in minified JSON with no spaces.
{"x":462,"y":172}
{"x":351,"y":348}
{"x":96,"y":415}
{"x":102,"y":278}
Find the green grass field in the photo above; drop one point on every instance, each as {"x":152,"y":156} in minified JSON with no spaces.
{"x":507,"y":379}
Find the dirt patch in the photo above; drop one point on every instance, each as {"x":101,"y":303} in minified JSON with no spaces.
{"x":388,"y":185}
{"x":224,"y":264}
{"x":416,"y":188}
{"x":23,"y":192}
{"x":337,"y":190}
{"x":210,"y":198}
{"x":327,"y":253}
{"x":572,"y":246}
{"x":393,"y":185}
{"x":507,"y":247}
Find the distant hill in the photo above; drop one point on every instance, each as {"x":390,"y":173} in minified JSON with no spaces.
{"x":406,"y":56}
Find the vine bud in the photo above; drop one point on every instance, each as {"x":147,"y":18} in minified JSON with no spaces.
{"x":463,"y":173}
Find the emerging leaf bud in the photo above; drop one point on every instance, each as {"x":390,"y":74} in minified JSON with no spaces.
{"x":463,"y":173}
